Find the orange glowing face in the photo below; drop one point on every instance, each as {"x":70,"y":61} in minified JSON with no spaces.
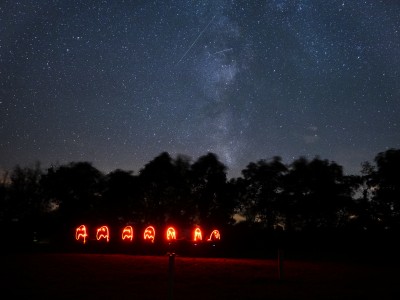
{"x":215,"y":235}
{"x":171,"y":234}
{"x":127,"y":233}
{"x":149,"y":234}
{"x":102,"y":233}
{"x":197,"y":235}
{"x":81,"y":233}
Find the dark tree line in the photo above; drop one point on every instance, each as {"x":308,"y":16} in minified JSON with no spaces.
{"x":304,"y":196}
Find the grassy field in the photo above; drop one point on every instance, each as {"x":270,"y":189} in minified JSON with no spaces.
{"x":118,"y":276}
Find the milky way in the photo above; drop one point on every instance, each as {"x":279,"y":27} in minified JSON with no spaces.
{"x":118,"y":82}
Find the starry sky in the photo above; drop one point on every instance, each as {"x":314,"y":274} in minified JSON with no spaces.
{"x":116,"y":83}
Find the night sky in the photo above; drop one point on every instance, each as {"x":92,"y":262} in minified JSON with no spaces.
{"x":116,"y":83}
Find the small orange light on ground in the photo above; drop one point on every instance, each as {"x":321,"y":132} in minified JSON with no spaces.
{"x":127,"y":233}
{"x":197,"y":235}
{"x":149,"y":234}
{"x":81,"y":233}
{"x":102,"y":233}
{"x":171,"y":234}
{"x":215,"y":235}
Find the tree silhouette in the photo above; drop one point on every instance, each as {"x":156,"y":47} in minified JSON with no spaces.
{"x":76,"y":189}
{"x":209,"y":191}
{"x":120,"y":197}
{"x":361,"y":215}
{"x":384,"y":186}
{"x":262,"y":199}
{"x":4,"y":205}
{"x":311,"y":196}
{"x":22,"y":206}
{"x":180,"y":210}
{"x":164,"y":190}
{"x":316,"y":192}
{"x":25,"y":193}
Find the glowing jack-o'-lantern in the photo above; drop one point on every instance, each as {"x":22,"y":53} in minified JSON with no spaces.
{"x":197,"y":235}
{"x":215,"y":235}
{"x":102,"y":233}
{"x":149,"y":234}
{"x":171,"y":234}
{"x":81,"y":233}
{"x":127,"y":233}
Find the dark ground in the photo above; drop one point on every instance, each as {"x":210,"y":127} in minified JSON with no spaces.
{"x":122,"y":276}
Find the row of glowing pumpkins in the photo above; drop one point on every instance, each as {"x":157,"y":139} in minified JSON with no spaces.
{"x":103,"y":233}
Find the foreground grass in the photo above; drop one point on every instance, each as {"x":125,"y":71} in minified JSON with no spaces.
{"x":116,"y":276}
